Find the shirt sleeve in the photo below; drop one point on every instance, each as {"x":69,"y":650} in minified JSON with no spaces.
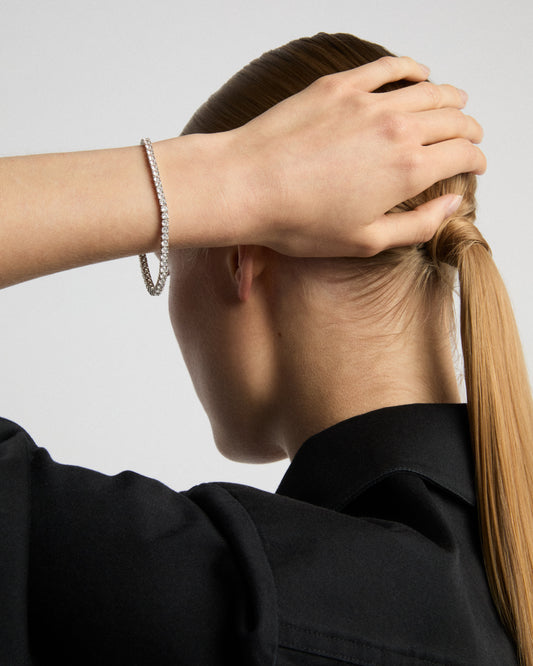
{"x":121,"y":569}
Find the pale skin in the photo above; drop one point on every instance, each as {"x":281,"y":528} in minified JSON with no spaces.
{"x":252,"y":194}
{"x":276,"y":355}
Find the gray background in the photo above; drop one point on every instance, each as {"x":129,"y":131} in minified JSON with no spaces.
{"x":88,"y":360}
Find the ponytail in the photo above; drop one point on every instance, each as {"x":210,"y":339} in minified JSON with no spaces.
{"x":500,"y":409}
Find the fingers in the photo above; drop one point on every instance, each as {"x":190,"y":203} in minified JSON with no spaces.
{"x":421,"y":97}
{"x":384,"y":70}
{"x":448,"y":158}
{"x":416,"y":226}
{"x":425,"y":96}
{"x":442,"y":124}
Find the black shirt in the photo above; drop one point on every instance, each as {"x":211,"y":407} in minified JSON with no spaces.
{"x":368,"y":553}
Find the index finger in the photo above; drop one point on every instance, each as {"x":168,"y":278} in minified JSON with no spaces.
{"x":384,"y":70}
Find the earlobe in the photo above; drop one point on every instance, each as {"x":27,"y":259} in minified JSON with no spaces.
{"x":245,"y":263}
{"x":244,"y":274}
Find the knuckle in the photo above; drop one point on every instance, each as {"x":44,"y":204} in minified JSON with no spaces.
{"x":482,"y":161}
{"x":432,"y":92}
{"x":368,"y":246}
{"x":394,"y":125}
{"x":459,"y":116}
{"x":473,"y":150}
{"x":453,"y":93}
{"x":412,"y":162}
{"x":474,"y":156}
{"x":389,"y":63}
{"x":426,"y":229}
{"x":467,"y":125}
{"x":462,"y":122}
{"x":330,"y":84}
{"x":480,"y":133}
{"x":466,"y":146}
{"x":407,"y":59}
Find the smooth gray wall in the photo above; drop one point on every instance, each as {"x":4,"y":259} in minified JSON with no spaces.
{"x":89,"y":365}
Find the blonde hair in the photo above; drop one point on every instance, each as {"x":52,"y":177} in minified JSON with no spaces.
{"x":500,"y":404}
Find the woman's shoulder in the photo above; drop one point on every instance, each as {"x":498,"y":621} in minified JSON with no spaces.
{"x":326,"y":581}
{"x":13,"y":436}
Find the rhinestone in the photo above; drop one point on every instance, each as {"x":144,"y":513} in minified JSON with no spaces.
{"x":155,"y":290}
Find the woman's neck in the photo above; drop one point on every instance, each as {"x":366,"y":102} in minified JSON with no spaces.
{"x":332,"y":375}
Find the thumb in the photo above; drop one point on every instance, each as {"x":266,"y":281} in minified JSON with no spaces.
{"x":415,"y":226}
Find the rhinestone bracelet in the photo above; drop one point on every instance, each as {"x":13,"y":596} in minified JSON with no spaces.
{"x":155,"y":290}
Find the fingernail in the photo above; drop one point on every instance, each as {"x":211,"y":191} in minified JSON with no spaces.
{"x":454,"y":204}
{"x":464,"y":95}
{"x":425,"y":69}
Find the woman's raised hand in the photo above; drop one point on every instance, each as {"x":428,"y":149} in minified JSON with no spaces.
{"x":312,"y":176}
{"x":315,"y":174}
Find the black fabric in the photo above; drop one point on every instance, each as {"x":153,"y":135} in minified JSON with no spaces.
{"x":367,"y":554}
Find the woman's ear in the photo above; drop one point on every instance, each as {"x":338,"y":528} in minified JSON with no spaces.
{"x":246,"y":263}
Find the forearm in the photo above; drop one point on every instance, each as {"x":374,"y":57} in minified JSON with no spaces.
{"x":60,"y":211}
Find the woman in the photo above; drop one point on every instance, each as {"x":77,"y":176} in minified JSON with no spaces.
{"x":369,"y":552}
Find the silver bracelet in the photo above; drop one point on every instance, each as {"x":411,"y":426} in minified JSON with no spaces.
{"x":155,"y":290}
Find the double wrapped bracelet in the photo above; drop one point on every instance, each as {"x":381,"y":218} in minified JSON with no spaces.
{"x":155,"y":290}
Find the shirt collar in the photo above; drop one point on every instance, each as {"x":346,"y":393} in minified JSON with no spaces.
{"x":432,"y":440}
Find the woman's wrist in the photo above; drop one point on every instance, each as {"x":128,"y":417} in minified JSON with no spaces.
{"x":204,"y":180}
{"x":64,"y":210}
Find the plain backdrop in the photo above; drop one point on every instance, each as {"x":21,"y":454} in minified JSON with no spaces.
{"x":88,"y":360}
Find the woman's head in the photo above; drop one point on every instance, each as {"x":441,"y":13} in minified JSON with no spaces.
{"x":393,"y":292}
{"x":324,"y":309}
